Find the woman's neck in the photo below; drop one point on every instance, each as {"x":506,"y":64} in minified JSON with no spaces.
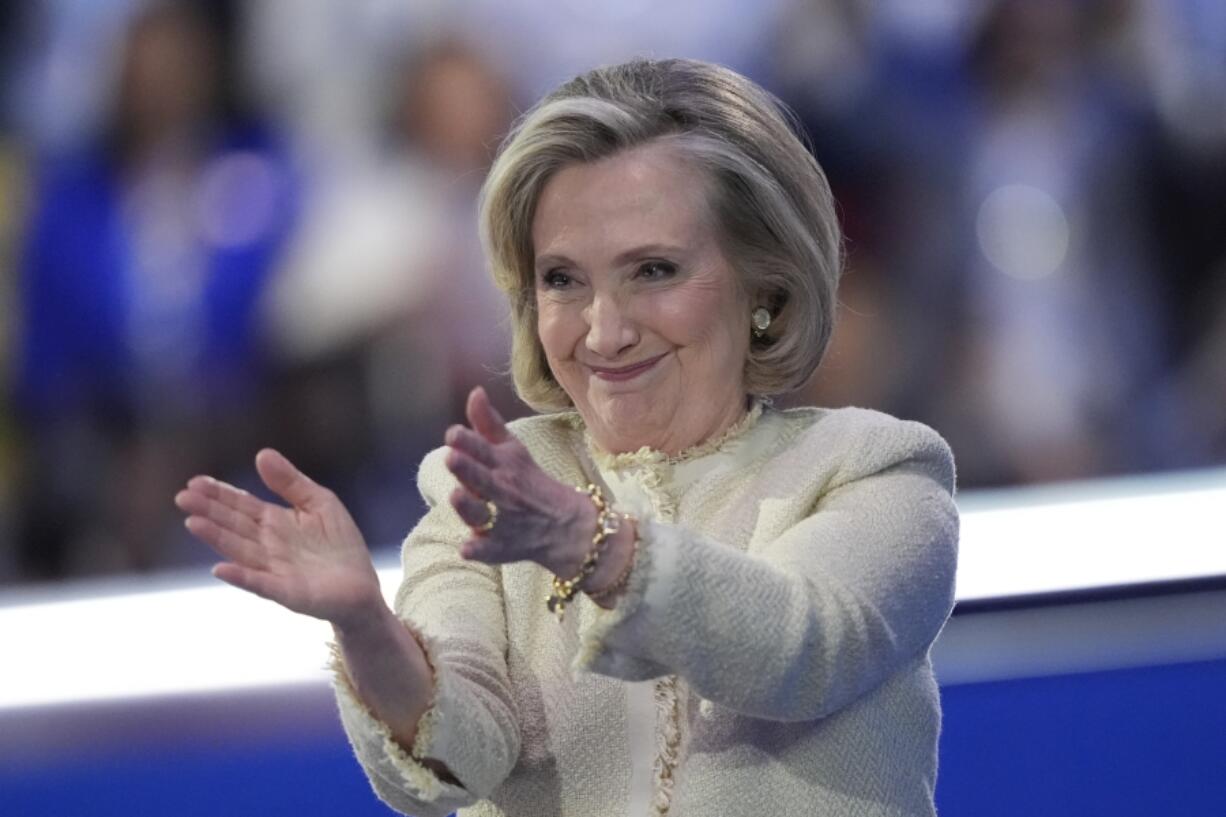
{"x":673,"y":441}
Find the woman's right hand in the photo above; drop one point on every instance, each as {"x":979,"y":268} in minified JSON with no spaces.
{"x":309,"y":557}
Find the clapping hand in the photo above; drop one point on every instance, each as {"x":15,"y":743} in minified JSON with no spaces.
{"x":535,"y":517}
{"x":309,"y":557}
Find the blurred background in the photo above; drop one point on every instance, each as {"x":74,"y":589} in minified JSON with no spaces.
{"x":225,"y":225}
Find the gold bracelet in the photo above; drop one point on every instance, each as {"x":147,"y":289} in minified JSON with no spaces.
{"x":607,"y":524}
{"x":620,"y":582}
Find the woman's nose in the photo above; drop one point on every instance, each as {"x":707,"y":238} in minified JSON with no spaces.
{"x":611,"y":331}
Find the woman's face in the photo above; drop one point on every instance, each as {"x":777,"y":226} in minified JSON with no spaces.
{"x":642,"y":318}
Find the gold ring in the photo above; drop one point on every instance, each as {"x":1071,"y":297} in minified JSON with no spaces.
{"x":489,"y":523}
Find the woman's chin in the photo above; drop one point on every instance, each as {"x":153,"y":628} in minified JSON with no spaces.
{"x":627,"y":421}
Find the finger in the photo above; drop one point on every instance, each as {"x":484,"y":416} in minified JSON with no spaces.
{"x":472,"y":475}
{"x":287,"y":482}
{"x":481,"y":549}
{"x":225,"y":542}
{"x":192,"y":501}
{"x":472,"y":509}
{"x":484,"y":417}
{"x":264,"y":585}
{"x":228,"y":495}
{"x":472,"y":550}
{"x":472,"y":444}
{"x":488,"y":550}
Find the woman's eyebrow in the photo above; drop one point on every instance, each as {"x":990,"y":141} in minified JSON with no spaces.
{"x":647,"y":250}
{"x":550,"y":260}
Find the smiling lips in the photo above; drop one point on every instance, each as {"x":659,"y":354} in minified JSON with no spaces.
{"x":625,"y":372}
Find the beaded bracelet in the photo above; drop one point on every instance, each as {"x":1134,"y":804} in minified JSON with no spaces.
{"x":620,"y":582}
{"x":607,"y":524}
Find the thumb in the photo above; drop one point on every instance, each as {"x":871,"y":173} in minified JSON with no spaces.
{"x":484,"y":418}
{"x":287,"y":482}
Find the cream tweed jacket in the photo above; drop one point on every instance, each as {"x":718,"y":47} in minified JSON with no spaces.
{"x":769,"y":657}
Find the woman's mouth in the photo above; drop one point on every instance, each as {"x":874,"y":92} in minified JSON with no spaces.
{"x":625,"y":372}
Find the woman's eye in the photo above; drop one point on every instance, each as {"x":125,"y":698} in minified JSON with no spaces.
{"x":657,"y":270}
{"x":555,"y":279}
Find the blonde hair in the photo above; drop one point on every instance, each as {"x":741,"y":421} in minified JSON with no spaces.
{"x":772,"y":203}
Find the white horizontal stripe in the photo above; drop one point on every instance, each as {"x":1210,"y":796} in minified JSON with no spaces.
{"x":148,"y":637}
{"x":1092,"y":535}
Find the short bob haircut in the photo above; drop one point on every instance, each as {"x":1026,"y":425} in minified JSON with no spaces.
{"x":771,"y":202}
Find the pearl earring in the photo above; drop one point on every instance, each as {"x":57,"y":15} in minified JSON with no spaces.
{"x":761,"y":319}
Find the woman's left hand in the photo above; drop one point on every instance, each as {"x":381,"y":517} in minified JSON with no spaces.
{"x":537,"y":519}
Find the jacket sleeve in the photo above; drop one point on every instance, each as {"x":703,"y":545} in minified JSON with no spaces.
{"x":817,"y":614}
{"x":455,"y":608}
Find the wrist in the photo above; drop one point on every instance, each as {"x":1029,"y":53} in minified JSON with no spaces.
{"x":607,"y":583}
{"x":371,"y":615}
{"x":606,"y":525}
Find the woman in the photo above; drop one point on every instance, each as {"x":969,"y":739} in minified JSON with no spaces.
{"x":752,"y":636}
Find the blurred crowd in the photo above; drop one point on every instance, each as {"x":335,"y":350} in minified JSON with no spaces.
{"x":226,"y":225}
